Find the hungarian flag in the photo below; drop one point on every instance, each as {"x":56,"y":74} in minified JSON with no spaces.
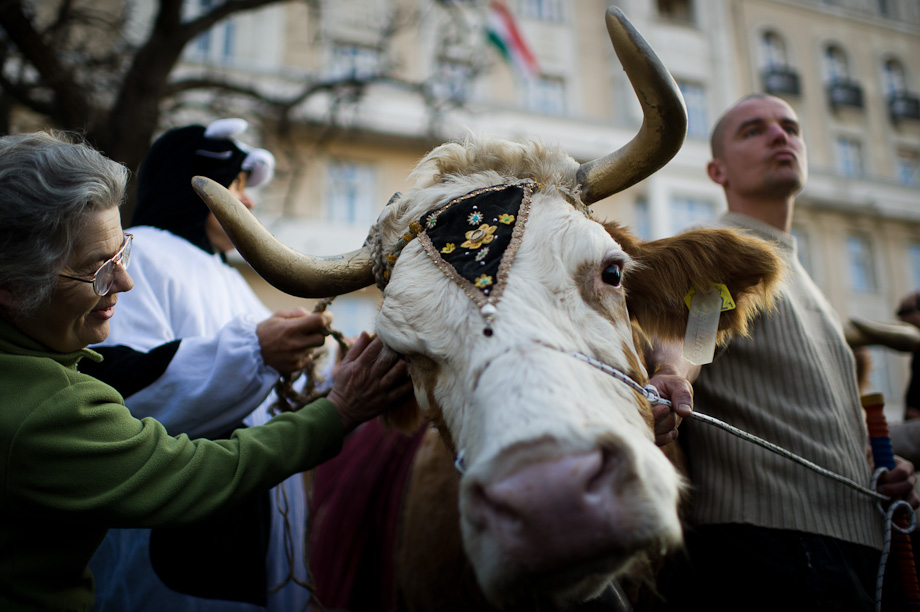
{"x":504,"y":34}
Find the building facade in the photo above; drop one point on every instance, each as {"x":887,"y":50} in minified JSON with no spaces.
{"x":846,"y":66}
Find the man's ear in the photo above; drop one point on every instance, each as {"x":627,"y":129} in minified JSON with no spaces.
{"x":715,"y":171}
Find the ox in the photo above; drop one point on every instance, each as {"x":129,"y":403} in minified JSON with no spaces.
{"x":494,"y":273}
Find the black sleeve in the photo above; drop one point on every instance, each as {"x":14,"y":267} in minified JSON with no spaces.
{"x":127,"y":370}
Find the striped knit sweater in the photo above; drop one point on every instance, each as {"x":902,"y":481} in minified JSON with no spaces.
{"x":793,"y":382}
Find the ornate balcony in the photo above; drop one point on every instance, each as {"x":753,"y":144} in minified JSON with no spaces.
{"x":781,"y":80}
{"x":903,"y":105}
{"x":844,"y":94}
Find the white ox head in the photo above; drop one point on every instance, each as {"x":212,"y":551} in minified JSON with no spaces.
{"x":563,"y":486}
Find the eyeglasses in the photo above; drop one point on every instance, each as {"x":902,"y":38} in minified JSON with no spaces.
{"x":104,"y":277}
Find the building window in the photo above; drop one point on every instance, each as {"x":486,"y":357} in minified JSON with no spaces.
{"x":687,"y":210}
{"x":893,"y":74}
{"x":778,"y":76}
{"x":849,"y":157}
{"x":773,"y":51}
{"x":909,"y":167}
{"x":218,"y":42}
{"x":542,"y":10}
{"x":351,"y":193}
{"x":676,"y":10}
{"x":697,"y":116}
{"x":842,"y":89}
{"x":913,"y":257}
{"x":836,"y":67}
{"x":642,"y":225}
{"x":352,"y":62}
{"x":885,"y":8}
{"x":451,"y":81}
{"x":862,"y":263}
{"x":803,"y":249}
{"x":545,"y":95}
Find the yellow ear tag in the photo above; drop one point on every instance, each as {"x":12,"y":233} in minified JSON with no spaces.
{"x":727,"y":302}
{"x":703,"y":321}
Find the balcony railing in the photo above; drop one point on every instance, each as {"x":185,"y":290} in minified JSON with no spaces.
{"x":844,"y":94}
{"x":781,"y":80}
{"x":904,"y":105}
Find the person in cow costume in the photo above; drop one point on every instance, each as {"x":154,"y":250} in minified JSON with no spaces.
{"x":194,"y":348}
{"x":765,"y":534}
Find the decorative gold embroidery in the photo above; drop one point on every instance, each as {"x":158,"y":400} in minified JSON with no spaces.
{"x":448,"y":248}
{"x":478,"y":237}
{"x":506,"y":219}
{"x":480,"y":255}
{"x":488,"y":295}
{"x":483,"y":281}
{"x":474,"y":218}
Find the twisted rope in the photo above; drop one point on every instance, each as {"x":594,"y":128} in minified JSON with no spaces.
{"x":288,"y":398}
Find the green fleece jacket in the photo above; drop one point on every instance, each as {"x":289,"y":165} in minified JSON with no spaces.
{"x":74,"y":462}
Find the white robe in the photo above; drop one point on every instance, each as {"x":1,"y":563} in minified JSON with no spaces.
{"x":181,"y":292}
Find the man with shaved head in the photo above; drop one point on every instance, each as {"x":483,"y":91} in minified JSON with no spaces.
{"x":765,"y":533}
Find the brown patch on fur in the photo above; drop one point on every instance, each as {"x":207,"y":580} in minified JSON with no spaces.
{"x":668,"y":268}
{"x":600,"y":300}
{"x":433,"y":572}
{"x":605,"y":304}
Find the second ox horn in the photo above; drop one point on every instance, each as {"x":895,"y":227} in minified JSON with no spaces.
{"x":661,"y":135}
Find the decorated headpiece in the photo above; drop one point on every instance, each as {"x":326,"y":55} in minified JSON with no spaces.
{"x":473,"y":240}
{"x":165,"y":198}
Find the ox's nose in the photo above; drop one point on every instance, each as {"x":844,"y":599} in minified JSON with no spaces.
{"x":554,"y":513}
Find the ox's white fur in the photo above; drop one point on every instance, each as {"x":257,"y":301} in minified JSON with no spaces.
{"x":516,"y":399}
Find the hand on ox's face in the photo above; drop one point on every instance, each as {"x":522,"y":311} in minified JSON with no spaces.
{"x":370,"y":379}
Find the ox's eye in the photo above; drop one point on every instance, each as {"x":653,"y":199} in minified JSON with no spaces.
{"x":612,"y":275}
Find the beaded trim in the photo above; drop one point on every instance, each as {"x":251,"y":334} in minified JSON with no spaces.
{"x":489,"y":294}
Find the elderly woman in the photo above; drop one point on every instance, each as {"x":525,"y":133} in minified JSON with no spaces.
{"x":74,"y":460}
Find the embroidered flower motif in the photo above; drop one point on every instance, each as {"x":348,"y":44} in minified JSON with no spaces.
{"x":474,"y":218}
{"x":478,"y":237}
{"x":448,"y":248}
{"x":431,"y":221}
{"x":506,"y":219}
{"x":482,"y":254}
{"x":483,"y":281}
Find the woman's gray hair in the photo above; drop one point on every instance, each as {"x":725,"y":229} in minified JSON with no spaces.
{"x":49,"y":183}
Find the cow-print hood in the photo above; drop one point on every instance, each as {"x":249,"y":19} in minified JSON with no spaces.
{"x":165,"y":198}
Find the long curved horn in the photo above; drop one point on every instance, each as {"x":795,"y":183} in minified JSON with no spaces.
{"x":664,"y":122}
{"x":307,"y":276}
{"x":898,"y":336}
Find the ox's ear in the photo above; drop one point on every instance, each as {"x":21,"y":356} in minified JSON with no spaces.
{"x":404,"y":418}
{"x":668,"y":268}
